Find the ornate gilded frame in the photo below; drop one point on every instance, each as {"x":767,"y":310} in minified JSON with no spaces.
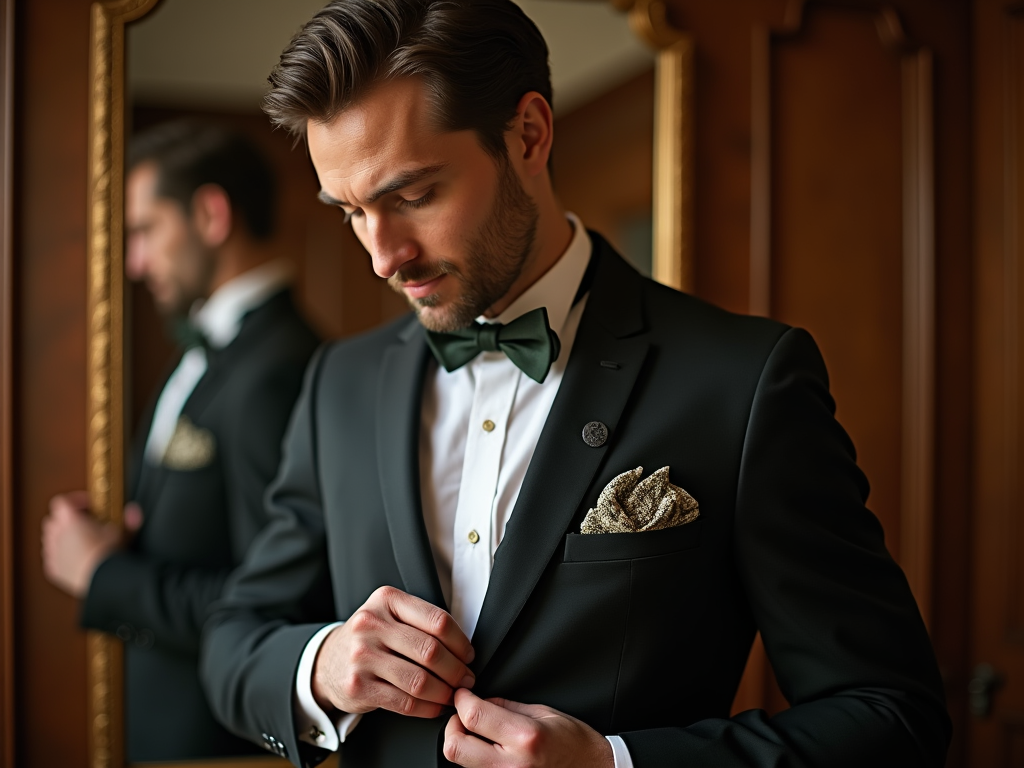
{"x":672,"y":265}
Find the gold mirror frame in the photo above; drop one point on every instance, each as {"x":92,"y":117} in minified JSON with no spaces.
{"x":672,"y":265}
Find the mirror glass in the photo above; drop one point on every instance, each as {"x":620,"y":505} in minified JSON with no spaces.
{"x":209,"y":59}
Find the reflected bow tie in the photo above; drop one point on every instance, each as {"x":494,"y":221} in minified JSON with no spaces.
{"x":527,"y":341}
{"x":188,"y":335}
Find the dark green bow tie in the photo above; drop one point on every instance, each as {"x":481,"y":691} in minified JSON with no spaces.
{"x":528,"y":341}
{"x":188,"y":335}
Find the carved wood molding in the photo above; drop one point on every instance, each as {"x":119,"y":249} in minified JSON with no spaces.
{"x":918,"y":331}
{"x":673,"y":258}
{"x":105,"y":323}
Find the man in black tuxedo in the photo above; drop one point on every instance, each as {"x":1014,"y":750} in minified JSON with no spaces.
{"x":199,"y":214}
{"x":457,"y":567}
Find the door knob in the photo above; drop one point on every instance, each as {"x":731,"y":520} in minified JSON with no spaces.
{"x":983,"y":685}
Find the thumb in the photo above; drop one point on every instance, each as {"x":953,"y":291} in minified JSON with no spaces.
{"x":132,"y":517}
{"x":528,"y":710}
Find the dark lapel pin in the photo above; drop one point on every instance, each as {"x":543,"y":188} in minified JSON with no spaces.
{"x":610,"y":364}
{"x":595,"y":434}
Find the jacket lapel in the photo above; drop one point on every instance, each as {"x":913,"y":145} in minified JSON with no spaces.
{"x":563,"y":466}
{"x":255,"y":327}
{"x":399,"y":396}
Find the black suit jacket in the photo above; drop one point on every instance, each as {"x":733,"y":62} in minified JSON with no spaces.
{"x":641,"y":634}
{"x":197,"y":527}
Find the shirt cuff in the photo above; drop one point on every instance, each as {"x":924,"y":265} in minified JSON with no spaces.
{"x":620,"y":752}
{"x":313,"y":724}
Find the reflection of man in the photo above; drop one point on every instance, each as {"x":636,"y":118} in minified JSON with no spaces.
{"x":444,"y":493}
{"x":199,"y":209}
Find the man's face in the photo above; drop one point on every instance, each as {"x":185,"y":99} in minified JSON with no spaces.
{"x":447,"y":225}
{"x":163,"y":246}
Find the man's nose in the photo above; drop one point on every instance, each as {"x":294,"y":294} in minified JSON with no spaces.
{"x":135,"y":262}
{"x":390,"y":246}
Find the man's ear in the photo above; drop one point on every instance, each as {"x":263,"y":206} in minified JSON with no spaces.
{"x":212,"y":215}
{"x":533,"y":133}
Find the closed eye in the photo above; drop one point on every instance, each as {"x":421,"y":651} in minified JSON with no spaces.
{"x":420,"y":201}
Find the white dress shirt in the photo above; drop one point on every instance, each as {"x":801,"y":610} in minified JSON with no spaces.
{"x":479,"y":427}
{"x":220,"y":319}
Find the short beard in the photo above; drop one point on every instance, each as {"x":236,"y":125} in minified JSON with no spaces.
{"x":496,"y":255}
{"x":193,"y":280}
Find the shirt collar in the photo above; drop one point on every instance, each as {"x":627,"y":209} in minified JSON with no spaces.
{"x":220,"y":316}
{"x":557,"y":287}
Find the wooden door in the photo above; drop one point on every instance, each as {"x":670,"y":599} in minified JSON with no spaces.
{"x":996,"y":733}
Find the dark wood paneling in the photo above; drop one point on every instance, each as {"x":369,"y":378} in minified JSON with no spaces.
{"x":837,"y":226}
{"x":7,"y":731}
{"x":998,"y":626}
{"x":50,"y":193}
{"x":602,"y":158}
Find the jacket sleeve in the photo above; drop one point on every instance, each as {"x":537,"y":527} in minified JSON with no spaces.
{"x":153,"y":601}
{"x":276,"y":601}
{"x":838,"y":620}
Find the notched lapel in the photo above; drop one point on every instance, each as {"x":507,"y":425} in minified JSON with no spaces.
{"x":398,"y":423}
{"x":564,"y":466}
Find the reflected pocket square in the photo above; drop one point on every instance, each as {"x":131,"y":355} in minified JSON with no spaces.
{"x":630,"y":505}
{"x":191,"y":447}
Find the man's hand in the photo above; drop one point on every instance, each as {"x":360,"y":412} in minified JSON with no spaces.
{"x":520,"y":735}
{"x":396,"y":652}
{"x":75,"y":542}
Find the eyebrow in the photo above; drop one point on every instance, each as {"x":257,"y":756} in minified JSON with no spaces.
{"x":401,"y":181}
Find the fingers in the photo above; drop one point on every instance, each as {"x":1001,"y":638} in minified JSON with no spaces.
{"x":392,"y":654}
{"x":132,"y":517}
{"x":430,"y":653}
{"x":384,"y":695}
{"x":69,"y":503}
{"x":465,"y":749}
{"x":493,"y":721}
{"x":428,"y":618}
{"x":413,"y":680}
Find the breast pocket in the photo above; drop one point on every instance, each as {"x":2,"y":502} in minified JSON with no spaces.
{"x":592,"y":547}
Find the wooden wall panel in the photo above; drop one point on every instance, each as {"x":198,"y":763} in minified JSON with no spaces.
{"x":836,"y":238}
{"x":602,"y":158}
{"x":49,"y":440}
{"x":7,"y":665}
{"x":998,"y":626}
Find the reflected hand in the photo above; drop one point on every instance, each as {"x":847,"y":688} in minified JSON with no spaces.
{"x":518,"y":735}
{"x":75,"y":542}
{"x":397,"y":652}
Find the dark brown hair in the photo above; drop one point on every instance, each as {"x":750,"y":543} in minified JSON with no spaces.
{"x":191,"y":153}
{"x":477,"y":58}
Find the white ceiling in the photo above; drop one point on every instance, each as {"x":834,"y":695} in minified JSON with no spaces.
{"x":218,"y":53}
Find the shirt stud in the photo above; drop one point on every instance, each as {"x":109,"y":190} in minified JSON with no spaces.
{"x":595,"y":434}
{"x":488,"y":426}
{"x":316,"y":735}
{"x":473,"y":537}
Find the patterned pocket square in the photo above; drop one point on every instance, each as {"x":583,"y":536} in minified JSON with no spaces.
{"x":629,"y":505}
{"x":190,"y":448}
